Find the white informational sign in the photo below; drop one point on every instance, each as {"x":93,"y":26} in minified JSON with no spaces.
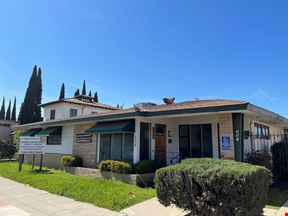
{"x":32,"y":145}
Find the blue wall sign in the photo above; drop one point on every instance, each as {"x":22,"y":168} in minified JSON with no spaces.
{"x":226,"y":143}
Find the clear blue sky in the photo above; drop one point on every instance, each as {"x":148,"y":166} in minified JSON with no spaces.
{"x":136,"y":51}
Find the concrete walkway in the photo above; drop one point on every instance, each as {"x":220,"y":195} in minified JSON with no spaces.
{"x":283,"y":210}
{"x":154,"y":208}
{"x":19,"y":200}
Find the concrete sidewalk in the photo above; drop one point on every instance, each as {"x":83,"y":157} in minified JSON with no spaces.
{"x":19,"y":200}
{"x":154,"y":208}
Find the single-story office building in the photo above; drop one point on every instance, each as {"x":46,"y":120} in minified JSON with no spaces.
{"x":165,"y":133}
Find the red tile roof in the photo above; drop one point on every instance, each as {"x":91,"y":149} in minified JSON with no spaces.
{"x":80,"y":102}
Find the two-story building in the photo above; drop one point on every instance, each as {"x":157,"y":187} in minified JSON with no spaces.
{"x":166,"y":133}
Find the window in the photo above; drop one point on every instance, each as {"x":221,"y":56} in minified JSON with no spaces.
{"x":118,"y":146}
{"x":144,"y":141}
{"x":54,"y":140}
{"x":73,"y":112}
{"x":52,"y":114}
{"x":262,"y":131}
{"x":195,"y":141}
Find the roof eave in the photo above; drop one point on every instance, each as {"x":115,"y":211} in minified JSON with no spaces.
{"x":236,"y":107}
{"x":265,"y":112}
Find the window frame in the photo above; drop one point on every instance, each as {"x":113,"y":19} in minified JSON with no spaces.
{"x":52,"y":114}
{"x":262,"y":131}
{"x":73,"y":110}
{"x":111,"y":135}
{"x":57,"y":140}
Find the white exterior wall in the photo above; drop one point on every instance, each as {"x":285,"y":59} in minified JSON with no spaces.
{"x":249,"y":126}
{"x":172,"y":125}
{"x":66,"y":146}
{"x":63,"y":110}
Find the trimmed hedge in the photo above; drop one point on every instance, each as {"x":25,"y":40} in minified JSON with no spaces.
{"x":71,"y":161}
{"x":116,"y":167}
{"x":214,"y":187}
{"x":145,"y":166}
{"x":280,"y":161}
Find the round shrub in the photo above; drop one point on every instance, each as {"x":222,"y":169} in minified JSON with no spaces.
{"x":115,"y":167}
{"x":71,"y":161}
{"x":214,"y":187}
{"x":145,"y":166}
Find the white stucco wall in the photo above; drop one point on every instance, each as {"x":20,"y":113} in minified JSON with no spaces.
{"x":249,"y":126}
{"x":63,"y":110}
{"x":66,"y":146}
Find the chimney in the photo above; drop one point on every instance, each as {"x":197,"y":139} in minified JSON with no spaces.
{"x":169,"y":101}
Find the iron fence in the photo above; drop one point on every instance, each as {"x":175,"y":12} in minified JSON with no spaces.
{"x":264,"y":143}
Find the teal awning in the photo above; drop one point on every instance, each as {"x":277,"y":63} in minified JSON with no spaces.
{"x":125,"y":126}
{"x":50,"y":131}
{"x":31,"y":132}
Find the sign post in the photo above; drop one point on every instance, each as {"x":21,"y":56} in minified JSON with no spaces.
{"x":31,"y":145}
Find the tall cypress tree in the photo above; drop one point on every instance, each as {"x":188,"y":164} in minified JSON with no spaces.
{"x":38,"y":97}
{"x":20,"y":112}
{"x":77,"y":93}
{"x":30,"y":111}
{"x":90,"y":93}
{"x":13,"y":115}
{"x":2,"y":111}
{"x":84,"y":88}
{"x":62,"y":92}
{"x":8,"y":113}
{"x":96,"y":97}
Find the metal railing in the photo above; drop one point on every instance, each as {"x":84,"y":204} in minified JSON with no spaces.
{"x":165,"y":158}
{"x":264,"y":143}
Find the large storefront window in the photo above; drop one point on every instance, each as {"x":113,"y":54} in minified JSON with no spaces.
{"x":118,"y":146}
{"x":195,"y":141}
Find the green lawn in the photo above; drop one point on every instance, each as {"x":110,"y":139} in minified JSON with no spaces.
{"x":108,"y":194}
{"x":277,"y":197}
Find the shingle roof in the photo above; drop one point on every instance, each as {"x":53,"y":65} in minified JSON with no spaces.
{"x":192,"y":104}
{"x":199,"y":106}
{"x":80,"y":102}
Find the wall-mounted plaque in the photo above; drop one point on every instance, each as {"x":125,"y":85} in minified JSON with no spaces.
{"x":84,"y":138}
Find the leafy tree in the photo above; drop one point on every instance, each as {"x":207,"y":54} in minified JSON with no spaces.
{"x":90,"y":93}
{"x":2,"y":111}
{"x":62,"y":92}
{"x":13,"y":115}
{"x":96,"y":97}
{"x":84,"y":88}
{"x":77,"y":93}
{"x":30,"y":109}
{"x":8,"y":113}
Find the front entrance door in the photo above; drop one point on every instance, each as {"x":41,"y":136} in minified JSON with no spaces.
{"x":160,"y":144}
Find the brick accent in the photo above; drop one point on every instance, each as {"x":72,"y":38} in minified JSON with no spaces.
{"x":87,"y":151}
{"x":226,"y":129}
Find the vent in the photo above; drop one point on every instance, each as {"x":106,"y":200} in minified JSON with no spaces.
{"x":146,"y":104}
